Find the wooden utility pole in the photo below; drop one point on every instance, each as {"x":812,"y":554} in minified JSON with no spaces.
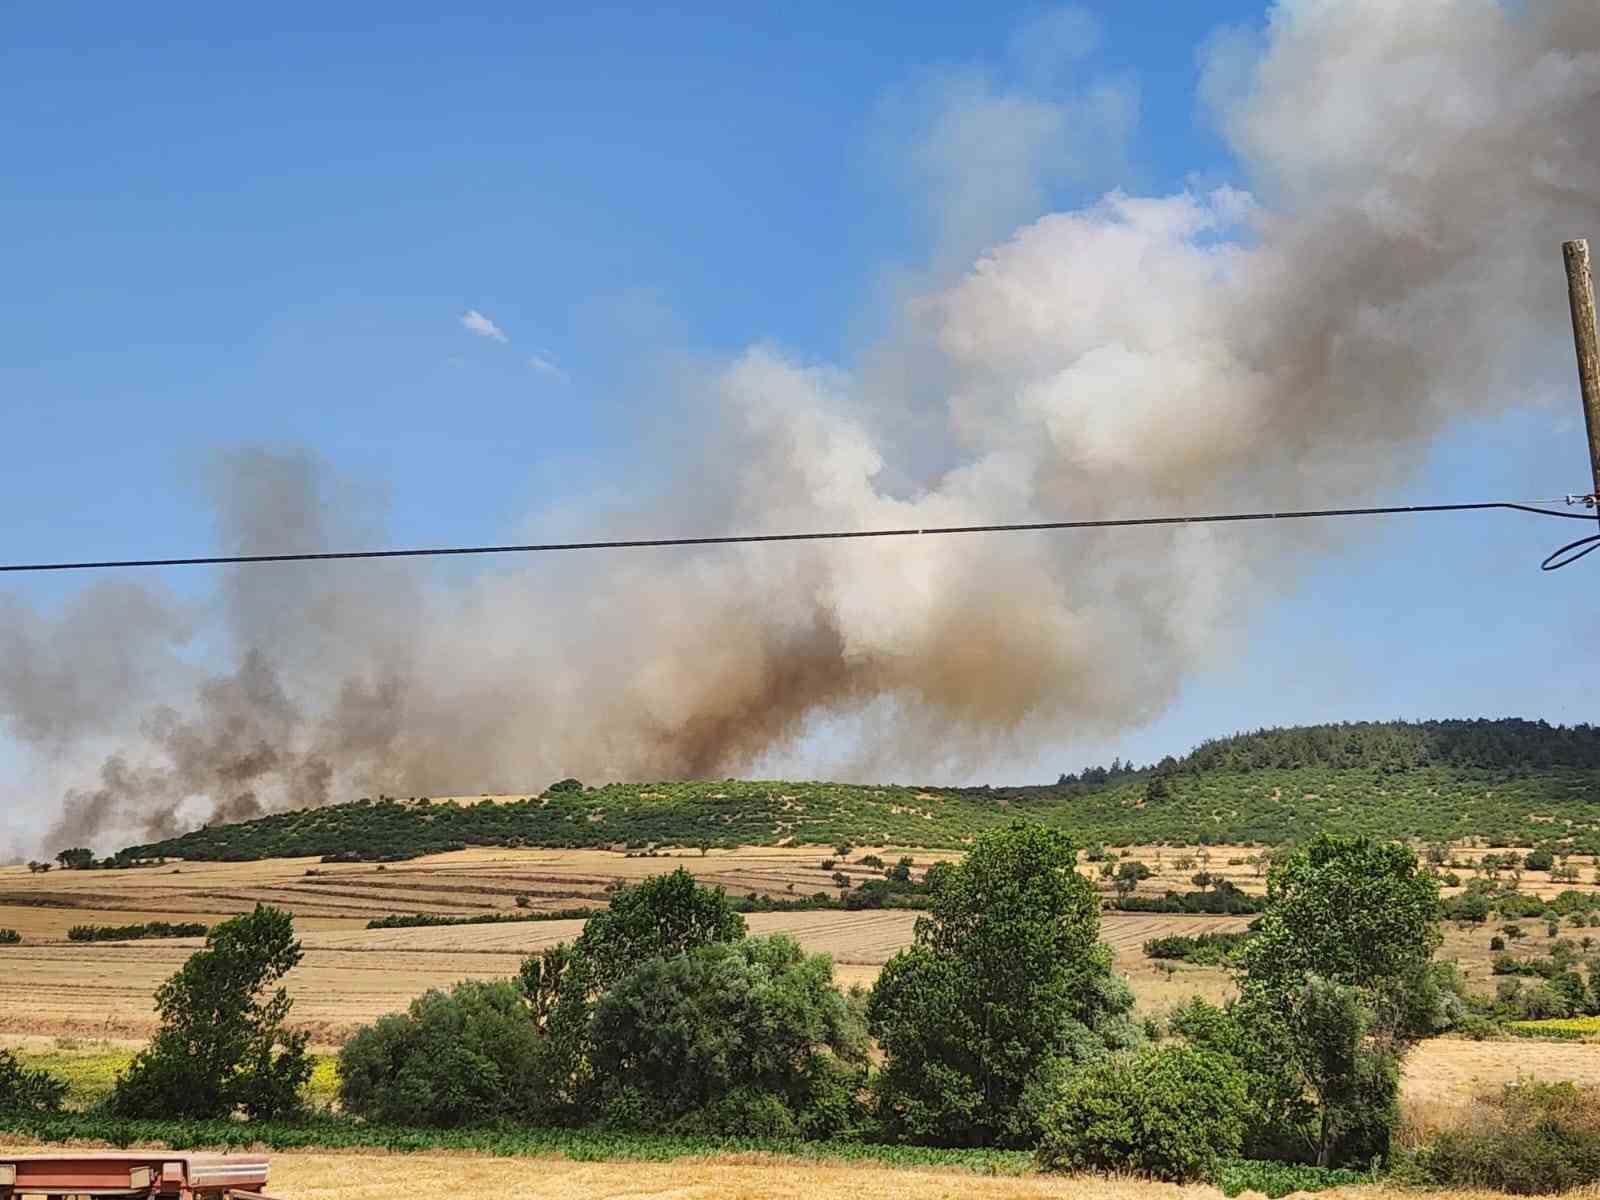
{"x":1580,"y":289}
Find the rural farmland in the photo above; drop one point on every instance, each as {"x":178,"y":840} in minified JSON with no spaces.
{"x":352,"y":974}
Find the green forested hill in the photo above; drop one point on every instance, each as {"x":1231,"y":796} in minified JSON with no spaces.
{"x":1503,"y":781}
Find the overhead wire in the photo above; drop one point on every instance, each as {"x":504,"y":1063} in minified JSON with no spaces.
{"x":1561,"y":558}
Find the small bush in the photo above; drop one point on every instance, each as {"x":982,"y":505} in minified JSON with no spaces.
{"x":1545,"y":1003}
{"x":1170,"y":1113}
{"x":1540,"y":859}
{"x":1530,"y":1139}
{"x":1497,"y":943}
{"x":10,"y":937}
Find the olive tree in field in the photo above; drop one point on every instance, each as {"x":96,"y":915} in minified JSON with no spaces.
{"x":1006,"y":989}
{"x":222,"y":1046}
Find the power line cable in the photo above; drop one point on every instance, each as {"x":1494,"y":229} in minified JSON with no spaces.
{"x":1560,"y":558}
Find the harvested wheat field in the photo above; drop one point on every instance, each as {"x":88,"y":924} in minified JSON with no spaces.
{"x":352,"y":974}
{"x":488,"y":880}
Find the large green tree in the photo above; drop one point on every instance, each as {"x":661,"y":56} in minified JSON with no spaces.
{"x":222,"y":1046}
{"x":1351,"y":910}
{"x":663,"y":917}
{"x":1336,"y":985}
{"x":1006,"y":988}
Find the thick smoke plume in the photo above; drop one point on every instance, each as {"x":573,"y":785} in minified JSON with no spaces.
{"x":1391,"y":272}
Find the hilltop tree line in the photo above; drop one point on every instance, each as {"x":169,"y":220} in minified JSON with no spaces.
{"x":1503,"y":745}
{"x":1503,"y":781}
{"x":1507,"y":744}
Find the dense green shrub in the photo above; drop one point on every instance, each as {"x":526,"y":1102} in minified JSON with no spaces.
{"x":1470,"y":908}
{"x":1208,"y":949}
{"x":1278,"y":1179}
{"x":1172,"y":1112}
{"x":1276,"y":1113}
{"x":1005,"y":990}
{"x":25,"y":1091}
{"x":748,"y":1038}
{"x":1530,"y":1139}
{"x":222,"y":1047}
{"x":450,"y":1059}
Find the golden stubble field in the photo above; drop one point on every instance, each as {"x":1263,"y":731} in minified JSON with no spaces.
{"x":352,"y":974}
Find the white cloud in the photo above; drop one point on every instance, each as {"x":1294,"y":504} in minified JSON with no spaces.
{"x":481,"y":325}
{"x":546,"y":366}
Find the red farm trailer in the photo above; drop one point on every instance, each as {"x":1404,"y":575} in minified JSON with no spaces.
{"x":136,"y":1174}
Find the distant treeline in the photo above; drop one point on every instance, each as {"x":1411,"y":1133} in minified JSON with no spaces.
{"x":130,"y":933}
{"x":1223,"y":899}
{"x":873,"y":893}
{"x":429,"y":920}
{"x":1404,"y":745}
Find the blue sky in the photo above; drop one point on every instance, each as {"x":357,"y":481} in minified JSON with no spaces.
{"x":225,"y":225}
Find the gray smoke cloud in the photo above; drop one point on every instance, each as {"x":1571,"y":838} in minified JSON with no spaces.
{"x":1390,"y":272}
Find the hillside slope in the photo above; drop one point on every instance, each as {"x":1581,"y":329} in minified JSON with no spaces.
{"x":1504,"y":781}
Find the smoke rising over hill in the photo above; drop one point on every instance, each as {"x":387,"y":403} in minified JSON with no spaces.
{"x":1391,"y":272}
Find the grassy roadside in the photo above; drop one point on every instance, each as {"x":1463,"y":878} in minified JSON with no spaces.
{"x":579,"y":1145}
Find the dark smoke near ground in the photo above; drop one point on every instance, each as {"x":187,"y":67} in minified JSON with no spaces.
{"x":1392,"y":272}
